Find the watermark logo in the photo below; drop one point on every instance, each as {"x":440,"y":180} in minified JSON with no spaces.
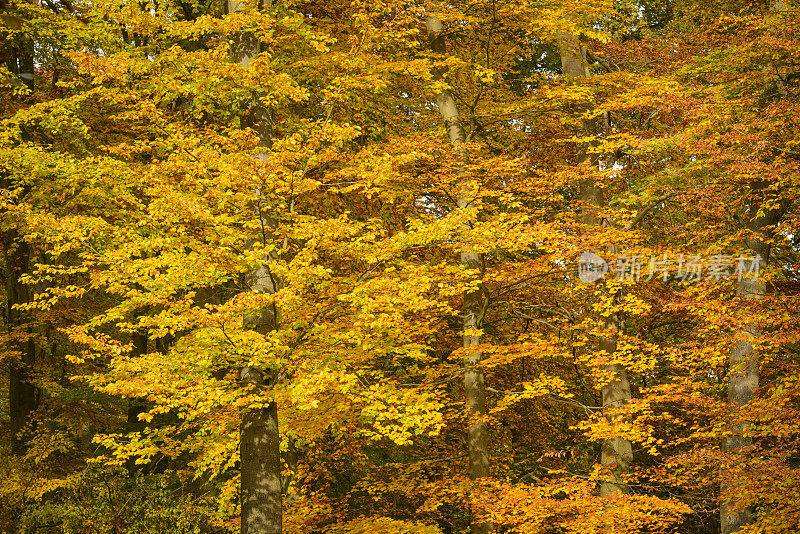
{"x":591,"y":267}
{"x":682,"y":267}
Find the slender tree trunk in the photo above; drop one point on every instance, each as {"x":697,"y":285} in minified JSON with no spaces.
{"x":259,"y":436}
{"x":743,"y":381}
{"x":26,"y":65}
{"x":259,"y":447}
{"x":616,"y":454}
{"x":22,"y":394}
{"x":743,"y":371}
{"x":136,"y":405}
{"x":474,"y":304}
{"x":20,"y":63}
{"x":744,"y":362}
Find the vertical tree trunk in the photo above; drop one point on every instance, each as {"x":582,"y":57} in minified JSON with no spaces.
{"x":136,"y":405}
{"x":743,"y":381}
{"x":259,"y":446}
{"x":20,"y":63}
{"x":259,"y":436}
{"x":474,"y":304}
{"x":260,"y":465}
{"x":744,"y":359}
{"x":22,"y":394}
{"x":26,"y":65}
{"x":743,"y":363}
{"x":616,"y":454}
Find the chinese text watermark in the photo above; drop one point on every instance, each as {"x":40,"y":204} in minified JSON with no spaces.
{"x":682,"y":267}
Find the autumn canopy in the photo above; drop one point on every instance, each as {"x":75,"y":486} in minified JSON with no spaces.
{"x":485,"y":266}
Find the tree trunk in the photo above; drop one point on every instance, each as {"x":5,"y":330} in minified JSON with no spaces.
{"x":260,"y":466}
{"x":259,"y":446}
{"x":743,"y":363}
{"x":136,"y":405}
{"x":474,"y":304}
{"x":22,"y":394}
{"x":26,"y":65}
{"x":23,"y":397}
{"x":20,"y":63}
{"x":259,"y":437}
{"x":743,"y":381}
{"x":616,"y":454}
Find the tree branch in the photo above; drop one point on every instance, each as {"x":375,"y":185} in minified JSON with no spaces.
{"x":644,"y":211}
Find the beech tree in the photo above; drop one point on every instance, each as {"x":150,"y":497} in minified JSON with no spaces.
{"x":259,"y":437}
{"x":312,"y":267}
{"x":616,"y":452}
{"x":474,"y":305}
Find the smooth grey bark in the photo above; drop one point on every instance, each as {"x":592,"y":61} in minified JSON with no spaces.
{"x":259,"y":436}
{"x":474,"y":305}
{"x":23,"y":396}
{"x":743,"y":381}
{"x":743,"y":363}
{"x":259,"y":449}
{"x":573,"y":56}
{"x":260,"y":465}
{"x":616,"y":454}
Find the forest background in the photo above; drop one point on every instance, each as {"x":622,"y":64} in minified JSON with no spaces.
{"x":311,"y":267}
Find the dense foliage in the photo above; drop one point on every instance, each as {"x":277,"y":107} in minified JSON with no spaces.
{"x":139,"y":193}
